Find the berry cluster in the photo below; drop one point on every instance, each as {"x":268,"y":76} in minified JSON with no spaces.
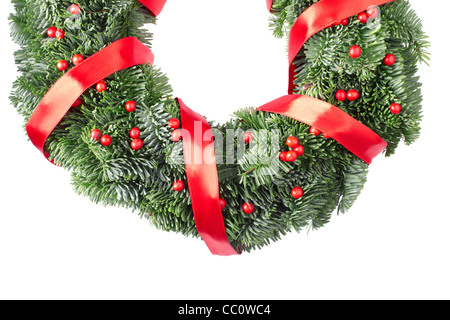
{"x":355,"y":52}
{"x":296,"y":151}
{"x":106,"y":140}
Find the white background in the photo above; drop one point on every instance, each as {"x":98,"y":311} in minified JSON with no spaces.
{"x":220,"y":56}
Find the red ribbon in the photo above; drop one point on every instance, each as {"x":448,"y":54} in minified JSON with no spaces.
{"x":352,"y":134}
{"x":317,"y":17}
{"x":155,"y":6}
{"x":269,"y":4}
{"x":122,"y":54}
{"x":203,"y":181}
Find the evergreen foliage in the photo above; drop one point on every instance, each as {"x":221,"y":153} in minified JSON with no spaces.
{"x":331,"y":177}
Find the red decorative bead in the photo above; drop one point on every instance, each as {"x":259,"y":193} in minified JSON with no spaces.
{"x":60,"y":34}
{"x":291,"y":156}
{"x":106,"y":140}
{"x":96,"y":134}
{"x":297,"y":193}
{"x":247,"y":137}
{"x":51,"y":32}
{"x":314,"y":131}
{"x":137,"y":144}
{"x":292,"y":142}
{"x":396,"y":108}
{"x":363,"y":17}
{"x":222,"y":203}
{"x":283,"y":156}
{"x":300,"y":150}
{"x":135,"y":133}
{"x":76,"y":59}
{"x":62,"y":65}
{"x":77,"y":103}
{"x":130,"y":106}
{"x":389,"y":60}
{"x":101,"y":86}
{"x":177,"y":135}
{"x":248,"y":208}
{"x":352,"y":95}
{"x":355,"y":52}
{"x":341,"y":95}
{"x":325,"y":135}
{"x":174,"y":123}
{"x":74,"y":9}
{"x":344,"y":22}
{"x":178,"y":185}
{"x":372,"y":12}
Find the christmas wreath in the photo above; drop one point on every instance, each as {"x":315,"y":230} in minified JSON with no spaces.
{"x":95,"y":105}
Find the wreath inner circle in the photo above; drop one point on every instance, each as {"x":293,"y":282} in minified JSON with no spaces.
{"x":249,"y":64}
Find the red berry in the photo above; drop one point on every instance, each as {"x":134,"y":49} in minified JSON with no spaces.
{"x":76,"y":59}
{"x":396,"y":108}
{"x":177,"y":135}
{"x":352,"y":95}
{"x":314,"y":131}
{"x":130,"y":106}
{"x":300,"y":150}
{"x":60,"y":34}
{"x":178,"y":185}
{"x":62,"y":65}
{"x":135,"y":133}
{"x":101,"y":86}
{"x":363,"y":17}
{"x":389,"y":60}
{"x":96,"y":134}
{"x":174,"y":123}
{"x":247,"y":137}
{"x":222,"y":203}
{"x":344,"y":22}
{"x":297,"y":193}
{"x":248,"y":208}
{"x":137,"y":144}
{"x":283,"y":156}
{"x":292,"y":142}
{"x":355,"y":52}
{"x":291,"y":156}
{"x":106,"y":140}
{"x":51,"y":32}
{"x":372,"y":12}
{"x":341,"y":95}
{"x":325,"y":135}
{"x":74,"y":9}
{"x":77,"y":103}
